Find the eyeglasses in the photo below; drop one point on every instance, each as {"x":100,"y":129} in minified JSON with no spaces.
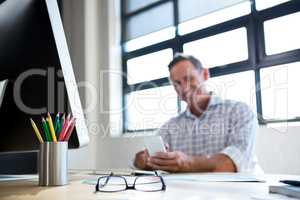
{"x":147,"y":183}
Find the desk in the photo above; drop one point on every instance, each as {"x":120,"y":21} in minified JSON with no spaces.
{"x":28,"y":189}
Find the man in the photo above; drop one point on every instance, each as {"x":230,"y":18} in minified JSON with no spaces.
{"x":212,"y":135}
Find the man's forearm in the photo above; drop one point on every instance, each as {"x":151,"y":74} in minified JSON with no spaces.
{"x":214,"y":163}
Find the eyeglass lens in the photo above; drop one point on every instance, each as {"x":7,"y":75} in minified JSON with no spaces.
{"x":151,"y":183}
{"x":142,"y":183}
{"x":112,"y":184}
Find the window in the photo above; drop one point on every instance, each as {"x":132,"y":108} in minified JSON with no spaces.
{"x":282,"y":34}
{"x":251,"y":48}
{"x":213,"y":18}
{"x":149,"y":39}
{"x":148,"y":109}
{"x":149,"y":67}
{"x":189,"y":9}
{"x":237,"y":86}
{"x":221,"y":49}
{"x":157,"y":18}
{"x":133,"y":5}
{"x":263,"y":4}
{"x":280,"y":91}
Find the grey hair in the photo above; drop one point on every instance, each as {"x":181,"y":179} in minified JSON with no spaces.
{"x":178,"y":57}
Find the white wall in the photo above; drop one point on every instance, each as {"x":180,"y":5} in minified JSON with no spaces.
{"x":93,"y":33}
{"x":93,"y":30}
{"x":74,"y":25}
{"x":278,"y":149}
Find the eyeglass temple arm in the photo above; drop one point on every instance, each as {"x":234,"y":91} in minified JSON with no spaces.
{"x":163,"y":183}
{"x":106,"y":181}
{"x":162,"y":180}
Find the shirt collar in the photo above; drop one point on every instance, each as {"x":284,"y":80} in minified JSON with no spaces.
{"x":214,"y":100}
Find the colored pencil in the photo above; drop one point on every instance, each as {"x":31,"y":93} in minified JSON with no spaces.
{"x":61,"y":123}
{"x":56,"y":123}
{"x":69,"y":130}
{"x":68,"y":117}
{"x":62,"y":133}
{"x":46,"y":130}
{"x":50,"y":123}
{"x":37,"y":132}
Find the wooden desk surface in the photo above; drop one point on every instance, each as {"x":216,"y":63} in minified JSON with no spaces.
{"x":29,"y":189}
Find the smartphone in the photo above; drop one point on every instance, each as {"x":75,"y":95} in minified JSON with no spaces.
{"x":154,"y":144}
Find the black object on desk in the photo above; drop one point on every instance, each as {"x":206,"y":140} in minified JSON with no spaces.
{"x":291,"y":182}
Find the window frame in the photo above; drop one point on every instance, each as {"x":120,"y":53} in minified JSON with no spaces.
{"x":257,"y":58}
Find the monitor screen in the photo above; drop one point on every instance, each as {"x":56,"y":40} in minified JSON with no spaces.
{"x":36,"y":77}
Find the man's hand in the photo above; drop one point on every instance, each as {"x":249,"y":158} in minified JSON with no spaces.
{"x":179,"y":162}
{"x":141,"y":160}
{"x":142,"y":157}
{"x":170,"y":161}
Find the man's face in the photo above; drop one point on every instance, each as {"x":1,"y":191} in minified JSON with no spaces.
{"x":187,"y":80}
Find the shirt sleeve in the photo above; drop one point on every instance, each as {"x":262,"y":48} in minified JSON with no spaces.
{"x":241,"y":139}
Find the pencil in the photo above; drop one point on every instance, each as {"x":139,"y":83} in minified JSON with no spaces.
{"x":69,"y":117}
{"x":46,"y":130}
{"x":64,"y":127}
{"x":61,"y":124}
{"x":37,"y":132}
{"x":63,"y":130}
{"x":49,"y":120}
{"x":69,"y":130}
{"x":56,"y":123}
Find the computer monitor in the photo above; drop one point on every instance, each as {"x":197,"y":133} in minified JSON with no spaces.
{"x":36,"y":77}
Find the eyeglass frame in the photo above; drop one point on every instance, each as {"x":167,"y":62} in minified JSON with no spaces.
{"x":130,"y":187}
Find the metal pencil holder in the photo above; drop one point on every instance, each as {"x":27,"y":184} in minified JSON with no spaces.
{"x":53,"y":164}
